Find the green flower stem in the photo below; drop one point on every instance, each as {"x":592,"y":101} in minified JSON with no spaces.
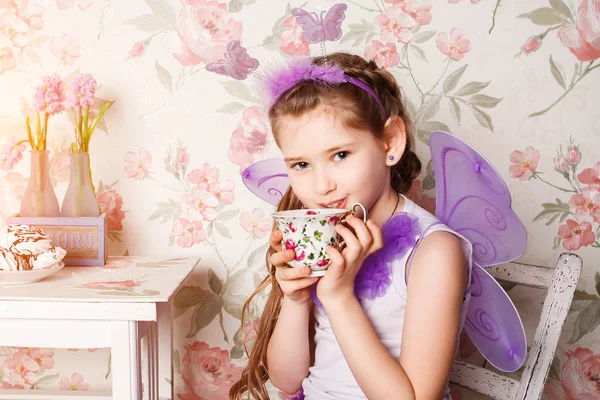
{"x":587,"y":70}
{"x":229,"y":271}
{"x":366,"y":8}
{"x":536,"y":175}
{"x":441,"y":76}
{"x":494,"y":16}
{"x":411,"y":74}
{"x":149,"y":175}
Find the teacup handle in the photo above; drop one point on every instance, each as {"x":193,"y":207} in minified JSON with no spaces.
{"x":342,"y":243}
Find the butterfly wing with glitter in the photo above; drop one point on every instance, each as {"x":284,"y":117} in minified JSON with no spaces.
{"x":473,"y":200}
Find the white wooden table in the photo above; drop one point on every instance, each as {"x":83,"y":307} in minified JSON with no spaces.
{"x":125,"y":305}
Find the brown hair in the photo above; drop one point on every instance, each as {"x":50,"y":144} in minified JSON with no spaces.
{"x":360,"y":111}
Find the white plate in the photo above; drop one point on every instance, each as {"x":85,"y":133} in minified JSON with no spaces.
{"x":31,"y":276}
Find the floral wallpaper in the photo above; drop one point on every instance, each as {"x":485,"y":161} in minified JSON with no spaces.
{"x":515,"y":79}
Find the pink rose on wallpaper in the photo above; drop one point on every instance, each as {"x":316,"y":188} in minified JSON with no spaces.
{"x":66,"y":4}
{"x":111,"y":203}
{"x":586,"y":204}
{"x":65,"y":49}
{"x":395,"y":25}
{"x":201,"y":204}
{"x":524,"y":164}
{"x":384,"y":55}
{"x":75,"y":382}
{"x":250,"y":138}
{"x":416,"y":194}
{"x":14,"y":28}
{"x":127,"y":284}
{"x":223,"y":191}
{"x":7,"y":60}
{"x":10,"y":153}
{"x":205,"y":176}
{"x":203,"y":31}
{"x":292,"y":38}
{"x":590,"y":176}
{"x":583,"y":39}
{"x":59,"y":167}
{"x":453,"y":44}
{"x":137,"y":165}
{"x":207,"y":372}
{"x":419,"y":10}
{"x":256,"y":223}
{"x":188,"y":233}
{"x":6,"y":385}
{"x":458,"y":1}
{"x":576,"y":235}
{"x":44,"y":357}
{"x":578,"y":379}
{"x":21,"y":368}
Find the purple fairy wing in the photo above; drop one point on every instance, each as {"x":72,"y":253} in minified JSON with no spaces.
{"x":332,"y":23}
{"x":311,"y":25}
{"x":237,"y":64}
{"x":267,"y":179}
{"x":473,"y":200}
{"x":493,"y":323}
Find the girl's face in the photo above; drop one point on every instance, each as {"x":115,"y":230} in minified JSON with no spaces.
{"x":330,"y":165}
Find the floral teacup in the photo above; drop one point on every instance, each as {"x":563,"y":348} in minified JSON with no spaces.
{"x":309,"y":231}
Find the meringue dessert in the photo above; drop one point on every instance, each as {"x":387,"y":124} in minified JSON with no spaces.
{"x":25,"y":247}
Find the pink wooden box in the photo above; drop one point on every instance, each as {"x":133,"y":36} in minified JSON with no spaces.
{"x":84,"y":238}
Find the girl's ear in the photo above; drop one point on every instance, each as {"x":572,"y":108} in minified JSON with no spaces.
{"x":394,"y":136}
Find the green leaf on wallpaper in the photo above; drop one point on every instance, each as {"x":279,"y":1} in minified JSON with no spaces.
{"x":558,"y":72}
{"x":236,"y":352}
{"x":33,"y":56}
{"x":164,"y":77}
{"x":429,"y":180}
{"x":559,"y":210}
{"x":205,"y":313}
{"x":258,"y":254}
{"x":227,"y":215}
{"x":432,"y":126}
{"x":597,"y":277}
{"x":555,"y":369}
{"x":429,"y":108}
{"x":452,"y":80}
{"x":562,"y":9}
{"x":214,"y":282}
{"x":189,"y":296}
{"x":37,"y":41}
{"x":240,"y":90}
{"x":234,"y":282}
{"x":45,"y":380}
{"x":483,"y":118}
{"x":1,"y":374}
{"x":360,"y":33}
{"x":483,"y":100}
{"x":422,"y":37}
{"x":587,"y":321}
{"x":557,"y":240}
{"x":455,"y":110}
{"x":472,"y":88}
{"x":176,"y":361}
{"x":233,"y":305}
{"x":171,"y":240}
{"x":148,"y":23}
{"x":222,"y":229}
{"x":231,"y":108}
{"x":417,"y":51}
{"x":170,"y":210}
{"x":545,"y":16}
{"x":164,"y":11}
{"x":234,"y":6}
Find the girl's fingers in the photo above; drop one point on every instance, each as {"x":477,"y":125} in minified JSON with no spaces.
{"x":300,"y":284}
{"x":291,"y":274}
{"x":275,"y":240}
{"x":282,"y":257}
{"x":362,"y":231}
{"x":353,"y":247}
{"x":338,"y":264}
{"x":377,"y":236}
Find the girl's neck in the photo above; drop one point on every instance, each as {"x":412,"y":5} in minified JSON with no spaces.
{"x":384,"y":206}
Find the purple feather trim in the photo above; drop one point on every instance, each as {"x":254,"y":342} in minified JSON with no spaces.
{"x":285,"y":77}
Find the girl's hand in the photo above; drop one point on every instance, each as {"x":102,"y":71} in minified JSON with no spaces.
{"x":294,"y":282}
{"x":338,"y":282}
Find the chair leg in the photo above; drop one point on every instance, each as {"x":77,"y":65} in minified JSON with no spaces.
{"x":125,"y":361}
{"x":165,"y":350}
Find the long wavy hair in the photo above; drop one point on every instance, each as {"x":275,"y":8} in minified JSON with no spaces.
{"x":359,"y":111}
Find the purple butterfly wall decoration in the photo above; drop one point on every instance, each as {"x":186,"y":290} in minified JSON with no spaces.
{"x":237,"y":63}
{"x":321,"y":28}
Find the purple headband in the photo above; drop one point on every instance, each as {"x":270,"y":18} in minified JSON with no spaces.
{"x":281,"y":79}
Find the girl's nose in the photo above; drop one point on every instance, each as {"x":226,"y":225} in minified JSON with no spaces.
{"x":323,"y":183}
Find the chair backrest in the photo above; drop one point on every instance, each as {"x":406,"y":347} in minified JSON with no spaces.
{"x":561,"y":283}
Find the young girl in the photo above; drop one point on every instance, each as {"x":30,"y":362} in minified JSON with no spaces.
{"x":391,"y":332}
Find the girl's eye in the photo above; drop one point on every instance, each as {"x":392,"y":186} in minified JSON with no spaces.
{"x":341,"y":155}
{"x":301,"y":165}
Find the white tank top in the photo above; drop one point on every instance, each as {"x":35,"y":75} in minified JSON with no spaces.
{"x":330,"y":377}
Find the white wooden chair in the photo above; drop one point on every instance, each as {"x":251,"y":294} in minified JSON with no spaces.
{"x":561,"y":283}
